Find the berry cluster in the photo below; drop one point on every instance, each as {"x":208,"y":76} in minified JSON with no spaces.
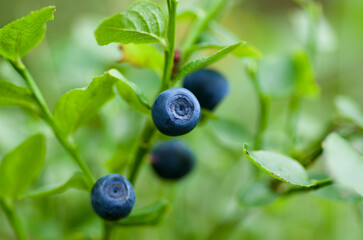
{"x":174,"y":112}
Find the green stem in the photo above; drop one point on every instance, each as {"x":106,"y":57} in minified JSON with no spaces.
{"x":292,"y":118}
{"x":314,"y":11}
{"x":142,"y":149}
{"x":170,"y":49}
{"x":311,"y":159}
{"x":262,"y":121}
{"x":70,"y":148}
{"x":264,"y":104}
{"x":149,"y":128}
{"x":13,"y":219}
{"x":107,"y":230}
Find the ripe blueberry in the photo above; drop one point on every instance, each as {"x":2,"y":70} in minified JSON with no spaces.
{"x":209,"y":86}
{"x":175,"y":112}
{"x":112,"y":197}
{"x":172,"y":160}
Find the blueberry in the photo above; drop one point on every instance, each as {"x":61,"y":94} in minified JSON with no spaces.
{"x":175,"y":112}
{"x":112,"y":197}
{"x":172,"y":160}
{"x":209,"y":86}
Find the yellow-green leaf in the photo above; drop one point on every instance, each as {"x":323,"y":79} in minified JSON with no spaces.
{"x":12,"y":95}
{"x":280,"y":167}
{"x":22,"y":35}
{"x":77,"y":106}
{"x":143,"y":55}
{"x":143,"y":22}
{"x":20,"y":168}
{"x":131,"y":93}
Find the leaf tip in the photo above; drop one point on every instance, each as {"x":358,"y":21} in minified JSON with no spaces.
{"x":114,"y":73}
{"x":51,"y":8}
{"x":245,"y":146}
{"x":38,"y":137}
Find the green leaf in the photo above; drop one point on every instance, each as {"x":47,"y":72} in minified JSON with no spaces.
{"x":77,"y":181}
{"x":143,"y":55}
{"x":247,"y":50}
{"x":204,"y":62}
{"x":22,"y":35}
{"x":12,"y":95}
{"x":149,"y":215}
{"x":130,"y":92}
{"x":276,"y":77}
{"x":256,"y":195}
{"x":279,"y":167}
{"x":304,"y":74}
{"x":20,"y":168}
{"x":77,"y":106}
{"x":143,"y":22}
{"x":350,"y":110}
{"x":344,"y":163}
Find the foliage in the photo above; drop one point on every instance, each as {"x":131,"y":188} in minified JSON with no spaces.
{"x":277,"y":121}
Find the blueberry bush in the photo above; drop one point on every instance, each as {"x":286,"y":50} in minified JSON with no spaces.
{"x":222,"y":119}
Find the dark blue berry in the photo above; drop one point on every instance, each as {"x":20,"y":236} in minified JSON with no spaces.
{"x":175,"y":112}
{"x":172,"y":160}
{"x":209,"y":86}
{"x":113,"y":197}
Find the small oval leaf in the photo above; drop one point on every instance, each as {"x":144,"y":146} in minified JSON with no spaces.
{"x":143,"y":55}
{"x":304,"y":74}
{"x":12,"y":95}
{"x":344,"y":163}
{"x":143,"y":22}
{"x":20,"y":168}
{"x":279,"y":167}
{"x":131,"y":93}
{"x":146,"y":216}
{"x":350,"y":110}
{"x":22,"y":35}
{"x":78,"y":106}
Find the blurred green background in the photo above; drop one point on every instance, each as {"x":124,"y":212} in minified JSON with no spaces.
{"x":204,"y":205}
